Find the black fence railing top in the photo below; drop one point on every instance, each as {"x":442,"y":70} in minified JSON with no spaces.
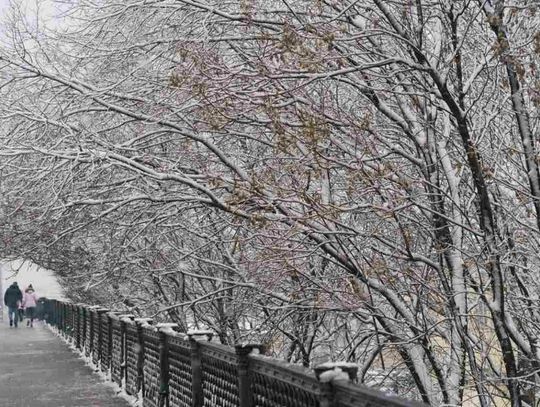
{"x":167,"y":368}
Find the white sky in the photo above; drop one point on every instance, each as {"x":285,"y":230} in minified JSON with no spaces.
{"x":43,"y":3}
{"x":47,"y":9}
{"x":43,"y":281}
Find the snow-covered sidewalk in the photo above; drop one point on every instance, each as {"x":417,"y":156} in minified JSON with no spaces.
{"x":37,"y":369}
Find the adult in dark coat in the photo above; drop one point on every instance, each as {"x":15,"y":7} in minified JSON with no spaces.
{"x":13,"y":298}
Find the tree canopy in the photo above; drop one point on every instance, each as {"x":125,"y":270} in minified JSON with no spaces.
{"x":353,"y":179}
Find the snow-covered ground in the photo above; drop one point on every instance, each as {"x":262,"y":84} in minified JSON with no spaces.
{"x":24,"y":273}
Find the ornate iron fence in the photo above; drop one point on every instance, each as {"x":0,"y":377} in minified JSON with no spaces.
{"x":166,"y":368}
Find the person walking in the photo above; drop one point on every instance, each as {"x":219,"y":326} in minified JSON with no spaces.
{"x":29,"y":303}
{"x":12,"y":298}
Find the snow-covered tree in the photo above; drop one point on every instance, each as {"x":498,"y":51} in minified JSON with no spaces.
{"x":345,"y":179}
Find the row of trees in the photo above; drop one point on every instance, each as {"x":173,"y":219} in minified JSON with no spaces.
{"x":352,"y":179}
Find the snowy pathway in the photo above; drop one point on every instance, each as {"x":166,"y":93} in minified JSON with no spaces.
{"x":37,"y":369}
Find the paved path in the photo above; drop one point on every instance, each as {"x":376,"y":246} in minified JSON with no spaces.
{"x":37,"y":369}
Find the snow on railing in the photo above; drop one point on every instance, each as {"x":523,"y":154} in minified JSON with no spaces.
{"x":159,"y":366}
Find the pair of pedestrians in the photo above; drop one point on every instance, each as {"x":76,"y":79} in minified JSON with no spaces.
{"x":18,"y":303}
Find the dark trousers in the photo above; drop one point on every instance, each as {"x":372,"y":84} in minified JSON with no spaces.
{"x":31,"y":313}
{"x":13,"y":314}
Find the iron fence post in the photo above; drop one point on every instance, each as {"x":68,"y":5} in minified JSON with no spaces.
{"x":78,"y":326}
{"x":84,"y":326}
{"x":100,"y":312}
{"x":55,"y":314}
{"x":69,"y":319}
{"x":90,"y":347}
{"x":123,"y":348}
{"x":163,"y":396}
{"x":197,"y":395}
{"x":109,"y":340}
{"x":65,"y":321}
{"x":48,"y":311}
{"x":140,"y":323}
{"x":245,"y":392}
{"x":61,"y":316}
{"x":73,"y":320}
{"x":340,"y":371}
{"x":57,"y":321}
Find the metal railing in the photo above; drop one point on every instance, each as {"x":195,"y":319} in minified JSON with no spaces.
{"x":167,"y":368}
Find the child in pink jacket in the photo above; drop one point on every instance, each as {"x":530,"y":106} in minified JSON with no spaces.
{"x":29,"y":303}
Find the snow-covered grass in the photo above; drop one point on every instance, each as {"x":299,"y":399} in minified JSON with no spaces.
{"x":105,"y":376}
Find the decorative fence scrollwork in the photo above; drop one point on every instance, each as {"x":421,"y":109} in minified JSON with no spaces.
{"x":164,"y":368}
